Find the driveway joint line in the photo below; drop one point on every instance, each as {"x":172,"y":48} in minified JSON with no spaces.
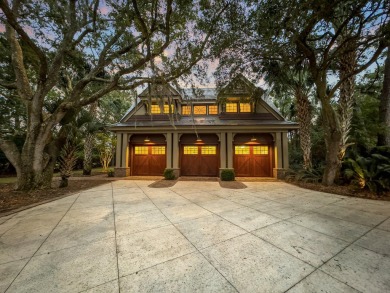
{"x":338,"y":253}
{"x":116,"y":243}
{"x":222,"y":218}
{"x":96,"y":286}
{"x":134,"y":233}
{"x":77,"y":245}
{"x":8,"y":262}
{"x":41,"y":244}
{"x":284,"y":217}
{"x":282,"y":220}
{"x":192,"y":244}
{"x":312,"y":212}
{"x":156,"y":265}
{"x":6,"y":222}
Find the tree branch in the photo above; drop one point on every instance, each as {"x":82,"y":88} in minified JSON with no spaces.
{"x":12,"y":21}
{"x":8,"y":85}
{"x":374,"y":57}
{"x":10,"y":150}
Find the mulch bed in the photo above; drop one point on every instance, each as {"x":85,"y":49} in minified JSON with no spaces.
{"x":343,"y":190}
{"x":14,"y":200}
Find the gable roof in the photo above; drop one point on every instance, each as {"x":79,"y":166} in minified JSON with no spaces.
{"x":240,"y":86}
{"x":160,"y":90}
{"x":194,"y":94}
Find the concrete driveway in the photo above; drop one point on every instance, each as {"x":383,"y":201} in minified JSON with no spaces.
{"x":197,"y":237}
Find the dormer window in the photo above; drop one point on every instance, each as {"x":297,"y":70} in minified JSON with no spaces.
{"x":213,"y":110}
{"x":245,"y":107}
{"x":166,"y":109}
{"x":200,"y":110}
{"x":238,"y":108}
{"x":156,"y":109}
{"x":185,"y":110}
{"x":231,"y":108}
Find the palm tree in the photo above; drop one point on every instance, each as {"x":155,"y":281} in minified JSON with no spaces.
{"x":294,"y":80}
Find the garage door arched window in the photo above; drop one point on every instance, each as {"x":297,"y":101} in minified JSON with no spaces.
{"x":158,"y":150}
{"x":190,"y":150}
{"x":208,"y":150}
{"x":141,"y":150}
{"x":241,"y":150}
{"x":260,"y":150}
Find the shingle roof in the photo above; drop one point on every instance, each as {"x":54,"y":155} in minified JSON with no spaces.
{"x":202,"y":121}
{"x":199,"y":93}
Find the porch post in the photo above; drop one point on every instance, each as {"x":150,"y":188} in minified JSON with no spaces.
{"x":229,"y":150}
{"x":222,"y":149}
{"x":169,"y":150}
{"x":118,"y":150}
{"x":278,"y":151}
{"x":175,"y":148}
{"x":125,"y":151}
{"x":285,"y":150}
{"x":122,"y":168}
{"x":278,"y":171}
{"x":175,"y":153}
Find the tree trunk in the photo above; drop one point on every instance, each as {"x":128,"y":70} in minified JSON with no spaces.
{"x":37,"y":168}
{"x":332,"y":141}
{"x":35,"y":163}
{"x":304,"y":117}
{"x":346,"y":99}
{"x":89,"y":144}
{"x":384,"y":107}
{"x":88,"y":150}
{"x":64,"y":182}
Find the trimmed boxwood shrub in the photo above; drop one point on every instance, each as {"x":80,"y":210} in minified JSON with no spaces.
{"x":110,"y":173}
{"x":227,"y":175}
{"x":169,"y":175}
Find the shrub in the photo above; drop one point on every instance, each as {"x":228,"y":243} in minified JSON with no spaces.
{"x":110,"y":173}
{"x":227,"y":175}
{"x":169,"y":174}
{"x":308,"y":176}
{"x":370,"y":172}
{"x":67,"y":162}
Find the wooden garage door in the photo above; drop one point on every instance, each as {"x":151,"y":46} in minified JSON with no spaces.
{"x":199,"y":160}
{"x":252,"y":161}
{"x":149,"y":160}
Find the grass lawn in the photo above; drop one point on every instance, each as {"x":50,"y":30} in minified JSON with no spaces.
{"x":11,"y":199}
{"x":76,"y":173}
{"x":7,"y":180}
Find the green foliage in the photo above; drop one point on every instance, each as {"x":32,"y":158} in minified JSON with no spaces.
{"x":307,"y":176}
{"x":73,"y":53}
{"x":365,"y":122}
{"x":110,"y":173}
{"x":227,"y":175}
{"x":371,"y":172}
{"x":67,"y":161}
{"x":169,"y":174}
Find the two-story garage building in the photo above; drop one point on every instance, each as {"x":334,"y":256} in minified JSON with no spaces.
{"x":198,"y":132}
